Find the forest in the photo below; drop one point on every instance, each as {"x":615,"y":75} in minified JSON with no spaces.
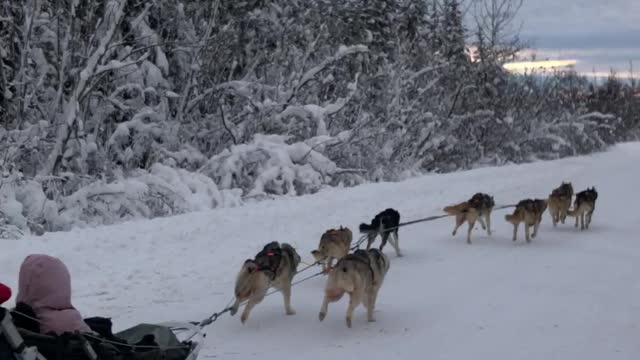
{"x":113,"y":110}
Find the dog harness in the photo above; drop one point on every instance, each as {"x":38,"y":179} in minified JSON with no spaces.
{"x":269,"y":269}
{"x":362,"y":260}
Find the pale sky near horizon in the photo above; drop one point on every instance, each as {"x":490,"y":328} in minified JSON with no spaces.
{"x":599,"y":34}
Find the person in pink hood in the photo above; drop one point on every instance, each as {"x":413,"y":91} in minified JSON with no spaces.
{"x":44,"y":284}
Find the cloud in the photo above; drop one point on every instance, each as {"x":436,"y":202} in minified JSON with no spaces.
{"x":599,"y":34}
{"x":564,"y":39}
{"x":600,"y":59}
{"x":580,"y":16}
{"x":521,"y":66}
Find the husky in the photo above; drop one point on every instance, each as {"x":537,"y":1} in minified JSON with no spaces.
{"x":359,"y":274}
{"x":334,"y":244}
{"x":274,"y":266}
{"x":384,"y":224}
{"x":584,"y":206}
{"x":560,"y":202}
{"x":478,"y":207}
{"x":530,"y":213}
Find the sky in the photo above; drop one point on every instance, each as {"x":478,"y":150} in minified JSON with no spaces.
{"x":599,"y":34}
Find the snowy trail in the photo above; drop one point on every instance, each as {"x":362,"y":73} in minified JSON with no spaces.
{"x":567,"y":295}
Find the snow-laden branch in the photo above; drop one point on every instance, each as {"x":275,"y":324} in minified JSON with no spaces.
{"x":114,"y":13}
{"x":320,"y":113}
{"x":597,"y":115}
{"x":117,"y":65}
{"x":427,"y":69}
{"x":240,"y":87}
{"x":195,"y":58}
{"x":342,"y":52}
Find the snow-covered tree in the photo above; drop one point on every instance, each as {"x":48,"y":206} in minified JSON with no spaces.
{"x":118,"y":109}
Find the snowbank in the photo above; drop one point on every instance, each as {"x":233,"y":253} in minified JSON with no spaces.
{"x":267,"y":167}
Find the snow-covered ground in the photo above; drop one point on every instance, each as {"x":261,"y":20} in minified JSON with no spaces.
{"x":566,"y":295}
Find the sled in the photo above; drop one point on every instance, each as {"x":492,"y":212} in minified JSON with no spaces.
{"x":152,"y":342}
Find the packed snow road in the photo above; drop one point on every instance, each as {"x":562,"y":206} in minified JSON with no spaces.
{"x":567,"y":295}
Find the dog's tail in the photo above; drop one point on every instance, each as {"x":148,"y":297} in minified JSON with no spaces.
{"x":513,"y":218}
{"x":243,"y":279}
{"x":293,"y":255}
{"x":457,"y":208}
{"x":367,"y":228}
{"x":573,"y":212}
{"x":518,"y":213}
{"x":576,"y":206}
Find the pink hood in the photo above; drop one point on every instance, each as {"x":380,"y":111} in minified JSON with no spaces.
{"x":45,"y":285}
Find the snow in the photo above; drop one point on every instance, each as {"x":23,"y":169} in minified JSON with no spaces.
{"x":153,"y":75}
{"x":567,"y":295}
{"x":11,"y":208}
{"x":270,"y":166}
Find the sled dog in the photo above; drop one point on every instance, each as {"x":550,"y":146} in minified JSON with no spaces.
{"x":560,"y":202}
{"x":275,"y":267}
{"x":334,"y":244}
{"x":530,"y":213}
{"x":359,"y":274}
{"x":478,"y":207}
{"x":384,"y":224}
{"x":584,"y":206}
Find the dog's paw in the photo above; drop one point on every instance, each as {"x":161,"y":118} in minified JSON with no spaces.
{"x":349,"y":322}
{"x":321,"y":316}
{"x":290,"y":312}
{"x":243,"y":318}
